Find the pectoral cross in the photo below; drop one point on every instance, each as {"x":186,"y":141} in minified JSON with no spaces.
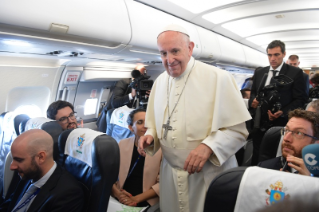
{"x":166,"y":128}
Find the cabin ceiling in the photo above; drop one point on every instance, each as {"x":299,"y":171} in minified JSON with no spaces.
{"x":255,"y":23}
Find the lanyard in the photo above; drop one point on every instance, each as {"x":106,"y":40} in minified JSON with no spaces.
{"x":133,"y":166}
{"x":27,"y":200}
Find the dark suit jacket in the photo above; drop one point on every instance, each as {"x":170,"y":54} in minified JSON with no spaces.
{"x":292,"y":97}
{"x":62,"y":192}
{"x":274,"y":163}
{"x":120,"y":94}
{"x":306,"y":78}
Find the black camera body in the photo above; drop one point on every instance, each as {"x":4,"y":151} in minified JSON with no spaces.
{"x":269,"y":99}
{"x":141,"y":84}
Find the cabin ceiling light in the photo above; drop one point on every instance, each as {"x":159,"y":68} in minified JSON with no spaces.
{"x":16,"y":43}
{"x":137,"y":51}
{"x":199,"y":6}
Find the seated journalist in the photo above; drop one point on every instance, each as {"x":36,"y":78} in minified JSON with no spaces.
{"x":138,"y":182}
{"x":63,"y":113}
{"x":44,"y":186}
{"x":301,"y":130}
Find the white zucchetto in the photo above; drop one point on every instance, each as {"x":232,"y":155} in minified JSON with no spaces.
{"x":174,"y":27}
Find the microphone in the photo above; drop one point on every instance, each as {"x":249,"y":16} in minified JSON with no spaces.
{"x":310,"y":156}
{"x":135,"y":73}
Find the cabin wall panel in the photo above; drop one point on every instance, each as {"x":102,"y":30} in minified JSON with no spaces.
{"x":17,"y":76}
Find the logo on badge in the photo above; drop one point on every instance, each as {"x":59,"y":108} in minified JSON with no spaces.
{"x":310,"y":159}
{"x":276,"y":193}
{"x":80,"y":143}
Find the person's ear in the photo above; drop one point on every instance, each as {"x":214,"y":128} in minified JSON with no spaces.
{"x":41,"y":157}
{"x":130,"y":128}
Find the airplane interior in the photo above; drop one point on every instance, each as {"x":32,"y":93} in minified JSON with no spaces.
{"x":76,"y":51}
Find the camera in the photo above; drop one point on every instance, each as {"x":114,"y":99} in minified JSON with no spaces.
{"x":269,"y":99}
{"x":141,"y":84}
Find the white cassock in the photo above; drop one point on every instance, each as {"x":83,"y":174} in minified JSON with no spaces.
{"x":210,"y":111}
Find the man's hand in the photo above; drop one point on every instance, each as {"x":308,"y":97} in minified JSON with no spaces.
{"x":144,"y":142}
{"x":298,"y":164}
{"x":148,"y":93}
{"x":254,"y":104}
{"x":197,"y":158}
{"x":274,"y":116}
{"x":133,"y":92}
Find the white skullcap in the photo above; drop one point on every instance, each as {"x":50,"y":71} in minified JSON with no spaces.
{"x":174,"y":27}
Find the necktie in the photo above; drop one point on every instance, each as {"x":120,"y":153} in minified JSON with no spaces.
{"x":26,"y":199}
{"x":274,"y":73}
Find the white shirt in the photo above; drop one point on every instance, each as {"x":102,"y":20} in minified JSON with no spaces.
{"x":270,"y":73}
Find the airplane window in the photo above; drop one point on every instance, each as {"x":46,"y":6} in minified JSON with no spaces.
{"x":90,"y":106}
{"x":31,"y":110}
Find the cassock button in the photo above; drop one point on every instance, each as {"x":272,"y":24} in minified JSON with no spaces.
{"x":174,"y":146}
{"x":174,"y":120}
{"x":177,"y":94}
{"x":175,"y":111}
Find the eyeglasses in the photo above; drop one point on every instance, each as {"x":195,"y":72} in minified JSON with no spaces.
{"x":296,"y":134}
{"x":65,"y":119}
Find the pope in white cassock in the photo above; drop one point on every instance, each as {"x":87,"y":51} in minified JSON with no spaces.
{"x":197,"y":116}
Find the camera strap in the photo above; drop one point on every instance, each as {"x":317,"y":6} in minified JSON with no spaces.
{"x":166,"y":126}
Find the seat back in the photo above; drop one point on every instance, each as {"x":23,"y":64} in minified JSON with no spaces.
{"x":50,"y":126}
{"x":18,"y":120}
{"x":269,"y":144}
{"x":93,"y":158}
{"x":10,"y":178}
{"x":222,"y":192}
{"x":114,"y":130}
{"x":8,"y":135}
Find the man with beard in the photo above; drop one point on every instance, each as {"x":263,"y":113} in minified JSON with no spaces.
{"x":63,"y":113}
{"x":44,"y":186}
{"x":301,"y":130}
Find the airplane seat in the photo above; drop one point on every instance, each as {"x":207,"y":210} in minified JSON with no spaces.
{"x":244,"y":155}
{"x":93,"y":158}
{"x":116,"y":123}
{"x":1,"y":126}
{"x":8,"y":135}
{"x":222,"y":192}
{"x":10,"y":178}
{"x":101,"y":122}
{"x":270,"y":144}
{"x":18,"y":120}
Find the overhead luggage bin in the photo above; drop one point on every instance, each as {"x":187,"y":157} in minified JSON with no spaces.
{"x":252,"y":57}
{"x":80,"y":24}
{"x":210,"y":48}
{"x":147,"y":25}
{"x":231,"y":51}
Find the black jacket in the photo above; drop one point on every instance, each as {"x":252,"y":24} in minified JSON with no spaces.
{"x":292,"y":96}
{"x":62,"y":192}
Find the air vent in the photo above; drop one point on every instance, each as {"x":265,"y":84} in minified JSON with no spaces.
{"x":59,"y":28}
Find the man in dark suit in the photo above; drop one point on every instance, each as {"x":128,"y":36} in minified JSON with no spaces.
{"x":293,"y":60}
{"x":123,"y":94}
{"x":44,"y":186}
{"x":292,"y":96}
{"x":300,"y":131}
